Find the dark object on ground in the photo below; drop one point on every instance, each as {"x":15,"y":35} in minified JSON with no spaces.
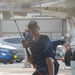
{"x":67,"y":57}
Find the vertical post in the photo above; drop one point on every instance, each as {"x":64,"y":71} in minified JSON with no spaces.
{"x":0,"y":28}
{"x":63,"y":26}
{"x":73,"y":67}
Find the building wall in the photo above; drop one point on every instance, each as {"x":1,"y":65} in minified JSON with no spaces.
{"x":50,"y":27}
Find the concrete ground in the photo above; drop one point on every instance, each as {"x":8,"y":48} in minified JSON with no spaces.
{"x":28,"y":71}
{"x":17,"y":69}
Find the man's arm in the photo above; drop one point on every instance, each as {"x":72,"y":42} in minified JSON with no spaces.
{"x":50,"y":64}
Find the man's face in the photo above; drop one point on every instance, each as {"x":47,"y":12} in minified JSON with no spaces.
{"x":34,"y":31}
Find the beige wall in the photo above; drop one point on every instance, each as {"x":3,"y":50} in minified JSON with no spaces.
{"x":51,"y":27}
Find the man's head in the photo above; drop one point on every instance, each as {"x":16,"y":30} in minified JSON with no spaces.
{"x":33,"y":24}
{"x":33,"y":27}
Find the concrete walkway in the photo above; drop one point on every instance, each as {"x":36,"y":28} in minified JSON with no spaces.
{"x":28,"y":71}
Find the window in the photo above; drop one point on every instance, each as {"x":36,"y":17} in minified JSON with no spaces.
{"x":13,"y":40}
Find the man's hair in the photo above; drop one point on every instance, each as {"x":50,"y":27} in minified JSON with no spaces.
{"x":33,"y":24}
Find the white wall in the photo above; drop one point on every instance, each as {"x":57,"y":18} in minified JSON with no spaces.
{"x":46,"y":26}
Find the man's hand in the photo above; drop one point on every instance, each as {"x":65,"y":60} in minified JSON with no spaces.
{"x":30,"y":59}
{"x":25,"y":44}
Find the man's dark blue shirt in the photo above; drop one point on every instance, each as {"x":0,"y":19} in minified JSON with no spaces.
{"x":42,"y":49}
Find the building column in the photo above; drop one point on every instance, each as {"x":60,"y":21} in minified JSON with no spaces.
{"x":0,"y":28}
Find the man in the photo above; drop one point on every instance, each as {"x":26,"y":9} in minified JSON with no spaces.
{"x":55,"y":43}
{"x":42,"y":52}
